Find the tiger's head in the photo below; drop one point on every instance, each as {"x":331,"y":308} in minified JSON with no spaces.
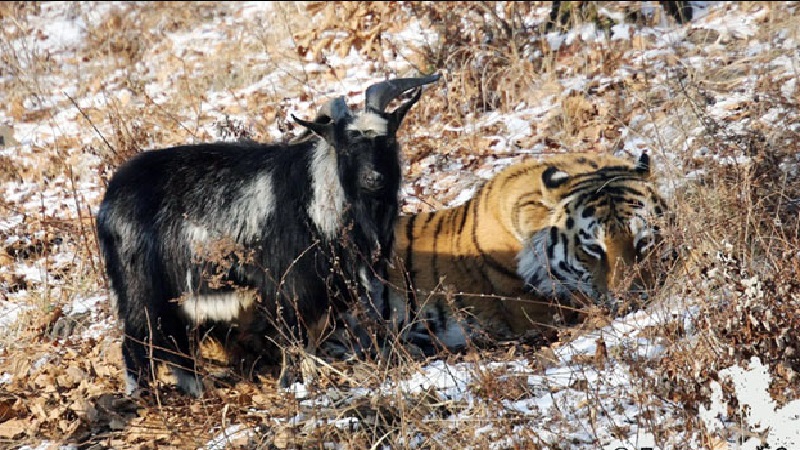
{"x":601,"y":222}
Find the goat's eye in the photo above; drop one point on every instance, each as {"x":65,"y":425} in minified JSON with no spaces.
{"x":354,"y":134}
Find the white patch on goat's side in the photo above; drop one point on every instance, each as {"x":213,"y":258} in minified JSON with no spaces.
{"x":241,"y":221}
{"x":370,"y":124}
{"x":131,"y":384}
{"x":197,"y":234}
{"x":249,"y":213}
{"x":327,"y":203}
{"x":198,"y":238}
{"x":223,"y":306}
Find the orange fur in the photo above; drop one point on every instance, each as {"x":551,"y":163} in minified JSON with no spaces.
{"x":467,"y":258}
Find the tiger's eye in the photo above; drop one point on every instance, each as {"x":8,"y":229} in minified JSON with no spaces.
{"x":643,"y":245}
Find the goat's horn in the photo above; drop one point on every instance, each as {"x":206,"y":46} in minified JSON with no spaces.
{"x":334,"y":105}
{"x":379,"y":95}
{"x":336,"y":109}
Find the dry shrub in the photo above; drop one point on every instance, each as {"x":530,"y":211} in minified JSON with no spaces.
{"x":128,"y":32}
{"x":740,"y":220}
{"x":345,"y":26}
{"x":477,"y":46}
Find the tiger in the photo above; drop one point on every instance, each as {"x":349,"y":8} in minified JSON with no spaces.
{"x":539,"y":235}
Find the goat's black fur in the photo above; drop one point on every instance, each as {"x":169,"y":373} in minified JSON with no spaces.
{"x":253,"y":243}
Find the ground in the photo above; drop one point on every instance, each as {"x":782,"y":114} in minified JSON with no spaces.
{"x":710,"y":362}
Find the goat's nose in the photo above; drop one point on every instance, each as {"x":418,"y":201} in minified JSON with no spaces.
{"x":373,"y":180}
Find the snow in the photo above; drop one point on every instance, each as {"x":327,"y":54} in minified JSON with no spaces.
{"x":555,"y":395}
{"x":9,"y":312}
{"x":222,"y":441}
{"x":781,"y":424}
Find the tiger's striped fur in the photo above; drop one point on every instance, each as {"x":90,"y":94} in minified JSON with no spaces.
{"x":536,"y":235}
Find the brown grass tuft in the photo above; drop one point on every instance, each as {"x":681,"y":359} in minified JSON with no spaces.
{"x":714,"y":108}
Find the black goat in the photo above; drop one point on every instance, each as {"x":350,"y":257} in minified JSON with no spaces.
{"x":253,"y":244}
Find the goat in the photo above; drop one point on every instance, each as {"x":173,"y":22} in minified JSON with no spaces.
{"x":252,"y":243}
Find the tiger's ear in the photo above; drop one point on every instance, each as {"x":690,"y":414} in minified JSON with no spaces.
{"x":643,"y":164}
{"x":552,"y":177}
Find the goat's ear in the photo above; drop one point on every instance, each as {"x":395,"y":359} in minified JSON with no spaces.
{"x":398,"y":114}
{"x":323,"y":129}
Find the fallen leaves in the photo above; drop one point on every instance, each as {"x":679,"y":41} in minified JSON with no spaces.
{"x":65,"y":386}
{"x":14,"y":428}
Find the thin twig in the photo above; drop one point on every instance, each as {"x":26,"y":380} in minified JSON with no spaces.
{"x":85,"y":116}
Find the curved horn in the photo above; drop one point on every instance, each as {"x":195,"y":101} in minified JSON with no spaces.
{"x":334,"y":109}
{"x":337,"y":109}
{"x":379,"y":95}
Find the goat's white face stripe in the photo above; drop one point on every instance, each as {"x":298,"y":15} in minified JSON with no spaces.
{"x":370,"y":123}
{"x":221,"y":306}
{"x":328,"y":201}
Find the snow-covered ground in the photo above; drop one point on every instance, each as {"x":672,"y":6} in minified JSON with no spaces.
{"x":576,"y":400}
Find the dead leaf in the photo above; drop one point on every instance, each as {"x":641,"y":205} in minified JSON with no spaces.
{"x":6,"y":409}
{"x":13,"y":429}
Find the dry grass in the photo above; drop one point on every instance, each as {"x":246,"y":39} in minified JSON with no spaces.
{"x":738,"y":220}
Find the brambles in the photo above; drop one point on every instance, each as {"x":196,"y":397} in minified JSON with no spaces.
{"x":715,"y":104}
